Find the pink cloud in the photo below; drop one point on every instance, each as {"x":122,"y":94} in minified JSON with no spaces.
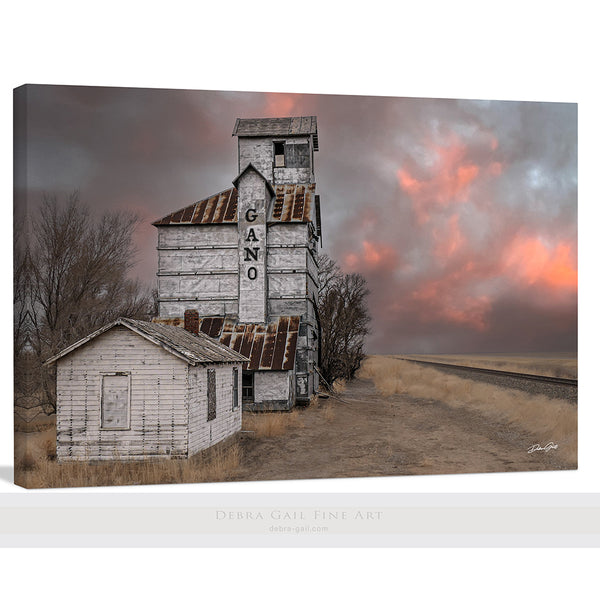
{"x":530,"y":262}
{"x":448,"y":181}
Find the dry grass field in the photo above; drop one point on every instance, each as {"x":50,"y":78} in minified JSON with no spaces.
{"x":549,"y":365}
{"x":548,"y":418}
{"x":396,"y":418}
{"x":36,"y":465}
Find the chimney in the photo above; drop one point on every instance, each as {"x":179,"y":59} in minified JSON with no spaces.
{"x":191,"y":321}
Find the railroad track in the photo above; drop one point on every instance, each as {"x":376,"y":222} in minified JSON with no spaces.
{"x":527,"y":376}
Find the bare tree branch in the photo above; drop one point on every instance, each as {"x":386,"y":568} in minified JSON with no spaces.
{"x":75,"y":272}
{"x":344,"y":319}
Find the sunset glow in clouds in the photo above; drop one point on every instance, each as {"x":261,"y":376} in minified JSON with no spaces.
{"x":461,"y":214}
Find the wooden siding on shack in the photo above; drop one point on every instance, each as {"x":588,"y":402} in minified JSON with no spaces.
{"x":160,"y":392}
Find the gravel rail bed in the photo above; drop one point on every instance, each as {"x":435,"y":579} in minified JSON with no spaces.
{"x":568,"y":393}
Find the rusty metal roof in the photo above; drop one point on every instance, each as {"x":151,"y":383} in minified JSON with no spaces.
{"x":220,"y":208}
{"x":293,"y":204}
{"x":176,"y":340}
{"x":267,"y":347}
{"x":283,"y":126}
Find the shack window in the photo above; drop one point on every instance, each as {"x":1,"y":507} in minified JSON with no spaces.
{"x":235,"y":392}
{"x":279,"y":154}
{"x":212,"y":395}
{"x":247,"y":387}
{"x":114,"y":404}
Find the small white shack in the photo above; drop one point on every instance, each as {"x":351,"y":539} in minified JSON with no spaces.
{"x":139,"y":390}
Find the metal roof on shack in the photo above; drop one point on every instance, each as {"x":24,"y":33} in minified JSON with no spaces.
{"x":176,"y":340}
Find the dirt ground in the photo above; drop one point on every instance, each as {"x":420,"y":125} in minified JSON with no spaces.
{"x":369,"y":435}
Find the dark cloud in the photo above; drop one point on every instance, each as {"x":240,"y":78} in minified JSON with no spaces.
{"x":461,"y":214}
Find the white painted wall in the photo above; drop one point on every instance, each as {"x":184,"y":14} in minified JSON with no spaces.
{"x":205,"y":433}
{"x":158,"y":409}
{"x":272,"y":386}
{"x":166,"y":399}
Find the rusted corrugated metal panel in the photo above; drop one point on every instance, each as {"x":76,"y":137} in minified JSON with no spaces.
{"x":298,"y":211}
{"x":280,"y":343}
{"x":217,"y":325}
{"x":292,"y":340}
{"x":266,"y":358}
{"x":293,"y":202}
{"x":188,"y":213}
{"x":271,"y":347}
{"x":237,"y":342}
{"x":256,"y":353}
{"x":231,"y":212}
{"x":211,"y":205}
{"x":220,"y":208}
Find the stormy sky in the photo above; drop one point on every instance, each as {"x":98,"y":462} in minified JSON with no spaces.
{"x":462,"y":215}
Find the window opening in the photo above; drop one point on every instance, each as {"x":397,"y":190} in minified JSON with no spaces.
{"x":247,"y":387}
{"x":279,"y":154}
{"x":212,"y":395}
{"x":235,"y":394}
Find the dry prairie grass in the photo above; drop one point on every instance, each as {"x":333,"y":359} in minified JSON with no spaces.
{"x":548,"y":418}
{"x":36,"y":467}
{"x":324,"y":406}
{"x":269,"y":424}
{"x":339,"y":385}
{"x":548,"y":366}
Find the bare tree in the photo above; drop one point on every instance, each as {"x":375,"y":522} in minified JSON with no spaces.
{"x":78,"y":277}
{"x":344,"y":320}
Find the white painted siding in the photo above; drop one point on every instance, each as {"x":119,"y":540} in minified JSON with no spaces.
{"x":201,"y":235}
{"x":158,"y":410}
{"x":204,"y":433}
{"x":259,"y":152}
{"x":168,"y":401}
{"x":288,"y":233}
{"x":198,"y":268}
{"x":272,"y":386}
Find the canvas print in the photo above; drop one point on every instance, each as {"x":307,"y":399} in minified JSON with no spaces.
{"x":235,"y":286}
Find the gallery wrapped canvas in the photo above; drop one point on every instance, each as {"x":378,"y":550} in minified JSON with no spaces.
{"x":234,"y":286}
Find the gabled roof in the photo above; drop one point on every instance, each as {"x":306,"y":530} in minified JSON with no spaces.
{"x":251,"y":167}
{"x":176,"y":340}
{"x":293,"y":204}
{"x":269,"y":347}
{"x":283,"y":126}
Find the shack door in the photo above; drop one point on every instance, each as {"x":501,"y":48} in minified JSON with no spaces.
{"x":115,"y":401}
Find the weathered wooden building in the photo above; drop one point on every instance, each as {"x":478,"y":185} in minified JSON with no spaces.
{"x":246,"y":260}
{"x":138,"y":390}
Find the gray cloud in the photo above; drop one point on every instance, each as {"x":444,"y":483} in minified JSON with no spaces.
{"x":457,"y":254}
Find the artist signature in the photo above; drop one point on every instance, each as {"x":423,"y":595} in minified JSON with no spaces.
{"x":537,"y":447}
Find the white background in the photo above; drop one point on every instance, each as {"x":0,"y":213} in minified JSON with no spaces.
{"x":544,"y":51}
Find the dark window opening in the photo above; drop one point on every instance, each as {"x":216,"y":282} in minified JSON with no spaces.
{"x":212,"y":395}
{"x":235,"y":394}
{"x":279,"y":154}
{"x":247,"y":387}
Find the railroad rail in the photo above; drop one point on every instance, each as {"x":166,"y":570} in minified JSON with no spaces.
{"x":531,"y":377}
